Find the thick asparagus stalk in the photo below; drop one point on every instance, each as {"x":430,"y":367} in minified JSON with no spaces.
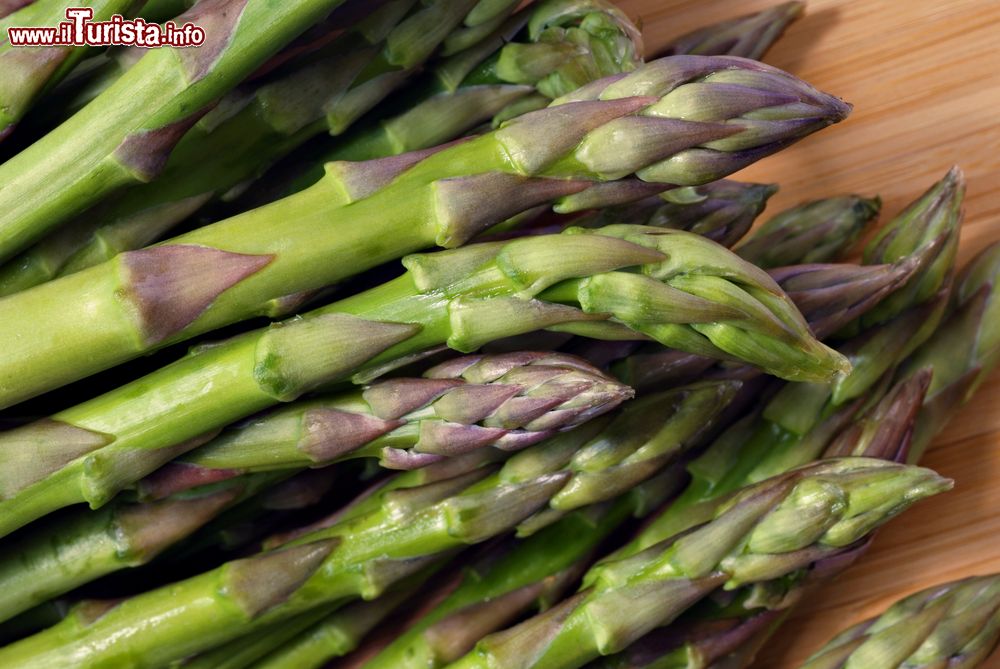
{"x":722,"y":211}
{"x":954,"y":624}
{"x":768,"y":530}
{"x":126,"y":133}
{"x":243,"y":136}
{"x":231,"y":270}
{"x":28,"y":71}
{"x":365,"y":555}
{"x":505,"y":401}
{"x":749,"y":36}
{"x":693,"y":293}
{"x":814,"y":232}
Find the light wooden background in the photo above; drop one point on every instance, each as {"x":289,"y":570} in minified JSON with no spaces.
{"x":924,"y":77}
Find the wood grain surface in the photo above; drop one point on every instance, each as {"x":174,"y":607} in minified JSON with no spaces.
{"x":924,"y":78}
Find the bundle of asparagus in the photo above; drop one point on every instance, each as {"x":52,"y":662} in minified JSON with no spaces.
{"x":519,"y":509}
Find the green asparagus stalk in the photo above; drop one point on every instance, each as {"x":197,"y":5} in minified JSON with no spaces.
{"x":829,"y":296}
{"x":504,"y":401}
{"x":749,"y":36}
{"x":125,"y":135}
{"x":766,"y":531}
{"x":722,"y":211}
{"x":247,"y":132}
{"x":955,"y":624}
{"x":234,"y":269}
{"x":814,"y":232}
{"x":694,"y":294}
{"x":29,"y":71}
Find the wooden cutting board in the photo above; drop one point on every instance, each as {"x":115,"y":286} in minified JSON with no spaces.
{"x":924,"y":77}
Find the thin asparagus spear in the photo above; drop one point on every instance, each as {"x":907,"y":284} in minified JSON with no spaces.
{"x":954,"y":624}
{"x":749,"y":36}
{"x":231,"y":270}
{"x":936,"y":214}
{"x":829,"y":296}
{"x":814,"y":232}
{"x":506,"y":401}
{"x":695,"y":295}
{"x":249,"y":130}
{"x":722,"y":211}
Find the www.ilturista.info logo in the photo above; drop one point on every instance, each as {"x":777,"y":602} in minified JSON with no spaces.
{"x":81,"y":30}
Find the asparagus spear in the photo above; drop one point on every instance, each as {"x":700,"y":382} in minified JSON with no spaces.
{"x":722,"y":211}
{"x":814,"y":232}
{"x":829,"y":296}
{"x":955,"y":624}
{"x":694,"y":294}
{"x":768,"y":530}
{"x":365,"y":555}
{"x":248,"y":131}
{"x":231,"y":270}
{"x":28,"y":71}
{"x":507,"y":401}
{"x":749,"y":36}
